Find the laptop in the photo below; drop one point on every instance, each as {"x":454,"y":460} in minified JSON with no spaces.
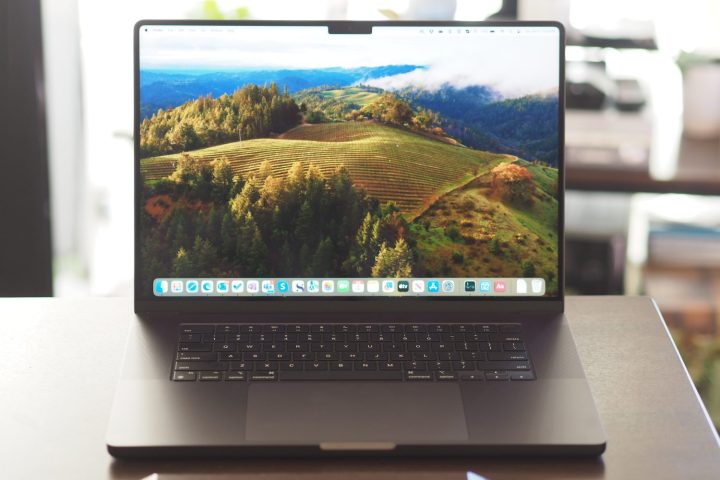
{"x":349,"y":241}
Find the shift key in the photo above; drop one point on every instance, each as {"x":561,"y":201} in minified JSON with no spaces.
{"x":196,"y":366}
{"x":503,"y":365}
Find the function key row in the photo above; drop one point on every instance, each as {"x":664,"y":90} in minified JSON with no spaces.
{"x":349,"y":328}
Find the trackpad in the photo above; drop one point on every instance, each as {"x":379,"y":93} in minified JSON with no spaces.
{"x":315,"y":412}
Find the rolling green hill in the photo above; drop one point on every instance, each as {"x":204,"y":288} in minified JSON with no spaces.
{"x":335,"y":103}
{"x":392,"y":164}
{"x":472,"y":230}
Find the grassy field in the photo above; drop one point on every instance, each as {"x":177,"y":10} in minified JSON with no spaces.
{"x":352,"y":95}
{"x":390,"y":163}
{"x":454,"y":237}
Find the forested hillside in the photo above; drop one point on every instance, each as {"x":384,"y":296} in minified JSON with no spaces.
{"x":250,"y":112}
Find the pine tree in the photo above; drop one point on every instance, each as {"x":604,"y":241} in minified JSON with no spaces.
{"x":393,"y":262}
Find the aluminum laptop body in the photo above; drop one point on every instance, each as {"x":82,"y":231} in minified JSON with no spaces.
{"x":349,"y":241}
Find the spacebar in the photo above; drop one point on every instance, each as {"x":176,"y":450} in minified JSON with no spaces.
{"x":340,"y":375}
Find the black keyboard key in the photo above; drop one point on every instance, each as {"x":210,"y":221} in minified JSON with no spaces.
{"x":463,"y":365}
{"x":321,"y":328}
{"x":190,"y":366}
{"x":441,"y":365}
{"x":414,"y":375}
{"x":474,"y":356}
{"x":522,"y":376}
{"x":471,"y":376}
{"x":230,"y":356}
{"x":503,"y":365}
{"x":505,"y":337}
{"x":486,"y":328}
{"x":495,"y":356}
{"x":415,"y":328}
{"x":236,"y":376}
{"x":445,"y":375}
{"x":415,"y":366}
{"x":438,"y":328}
{"x":249,"y":328}
{"x":254,"y":356}
{"x":368,"y":328}
{"x":197,"y":329}
{"x":195,"y":347}
{"x":273,"y":347}
{"x":449,"y":356}
{"x":391,"y":328}
{"x":249,"y":347}
{"x":389,"y":366}
{"x":265,"y":376}
{"x":298,"y":347}
{"x":265,"y":366}
{"x":441,"y":347}
{"x":215,"y":376}
{"x":224,"y":347}
{"x":191,"y":337}
{"x":393,"y":347}
{"x":184,"y":376}
{"x":352,"y":356}
{"x":346,"y":347}
{"x":226,"y":329}
{"x":297,"y":328}
{"x":343,"y":375}
{"x":418,"y":347}
{"x":196,"y":357}
{"x":425,"y":356}
{"x":321,"y":347}
{"x":376,"y":356}
{"x":315,"y":366}
{"x":496,"y":375}
{"x":340,"y":365}
{"x":273,"y":329}
{"x":513,"y":346}
{"x":240,"y":366}
{"x":290,"y":365}
{"x":489,"y":346}
{"x":366,"y":366}
{"x":345,"y":328}
{"x":303,"y":356}
{"x":370,"y":347}
{"x":278,"y":356}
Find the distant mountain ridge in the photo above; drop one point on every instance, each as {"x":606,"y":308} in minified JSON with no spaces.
{"x":480,"y":117}
{"x":167,"y":88}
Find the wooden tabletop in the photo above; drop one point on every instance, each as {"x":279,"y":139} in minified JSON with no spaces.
{"x":61,"y":359}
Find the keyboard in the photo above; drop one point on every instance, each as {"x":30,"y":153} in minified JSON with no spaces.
{"x":399,"y":352}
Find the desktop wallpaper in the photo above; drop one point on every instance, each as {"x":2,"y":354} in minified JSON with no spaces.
{"x":425,"y":155}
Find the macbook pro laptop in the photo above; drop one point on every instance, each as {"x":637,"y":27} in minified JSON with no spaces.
{"x":349,"y":240}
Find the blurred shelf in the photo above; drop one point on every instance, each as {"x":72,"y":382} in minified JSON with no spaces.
{"x":697,"y":172}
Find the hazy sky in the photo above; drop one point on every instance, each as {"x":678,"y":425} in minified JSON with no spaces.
{"x":512,"y":63}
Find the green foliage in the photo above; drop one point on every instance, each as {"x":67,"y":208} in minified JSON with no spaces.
{"x":389,"y":109}
{"x":453,"y":233}
{"x":528,"y":268}
{"x":495,"y":246}
{"x":514,"y":183}
{"x":249,"y":112}
{"x":393,"y":262}
{"x":258,"y":230}
{"x":458,"y":257}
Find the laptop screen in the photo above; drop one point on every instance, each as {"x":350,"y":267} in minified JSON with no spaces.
{"x":285,"y":161}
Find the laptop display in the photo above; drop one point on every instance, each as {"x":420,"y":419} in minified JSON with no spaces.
{"x":290,"y":162}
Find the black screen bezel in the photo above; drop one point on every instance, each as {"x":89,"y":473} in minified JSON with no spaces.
{"x":145,"y":303}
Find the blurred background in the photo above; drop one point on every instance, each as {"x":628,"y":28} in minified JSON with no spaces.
{"x":642,"y":145}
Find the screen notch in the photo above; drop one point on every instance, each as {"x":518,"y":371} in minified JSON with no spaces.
{"x":350,"y":28}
